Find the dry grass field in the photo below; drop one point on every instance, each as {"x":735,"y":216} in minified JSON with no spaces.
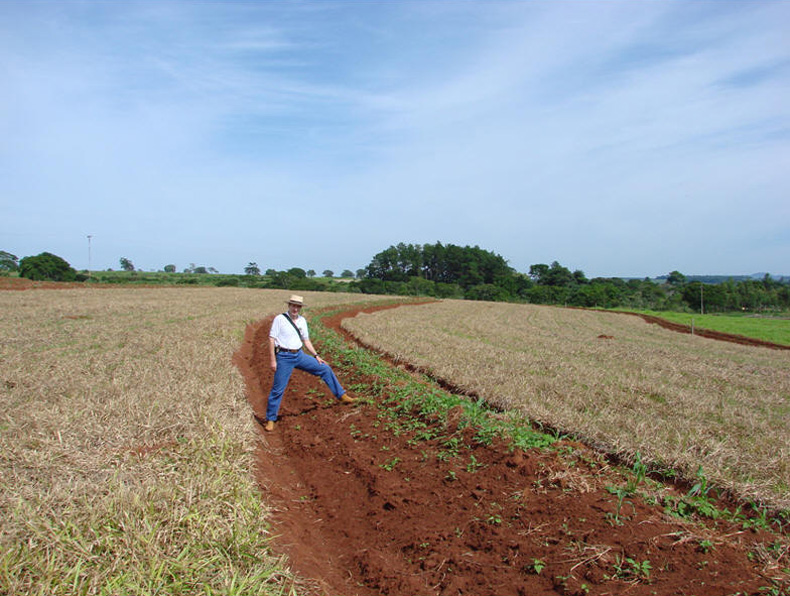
{"x":126,"y":440}
{"x":679,"y":400}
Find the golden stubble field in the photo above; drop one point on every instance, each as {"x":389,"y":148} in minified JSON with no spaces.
{"x":126,"y":442}
{"x":616,"y":381}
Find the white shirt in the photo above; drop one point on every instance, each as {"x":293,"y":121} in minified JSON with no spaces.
{"x":285,"y":336}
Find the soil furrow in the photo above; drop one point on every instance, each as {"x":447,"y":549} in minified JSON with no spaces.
{"x":363,"y":509}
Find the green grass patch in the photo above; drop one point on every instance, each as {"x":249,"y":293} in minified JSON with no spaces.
{"x":772,"y":329}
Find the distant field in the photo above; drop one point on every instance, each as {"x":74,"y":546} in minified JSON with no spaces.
{"x":682,"y":401}
{"x":125,"y":443}
{"x":767,"y":328}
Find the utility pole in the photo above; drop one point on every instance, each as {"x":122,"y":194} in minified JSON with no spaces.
{"x":89,"y":254}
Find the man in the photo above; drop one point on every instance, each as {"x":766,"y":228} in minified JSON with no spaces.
{"x":287,"y":336}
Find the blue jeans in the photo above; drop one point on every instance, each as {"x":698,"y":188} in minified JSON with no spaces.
{"x":286,"y":362}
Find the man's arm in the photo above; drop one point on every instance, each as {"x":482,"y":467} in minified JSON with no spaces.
{"x":311,"y":350}
{"x":272,"y":356}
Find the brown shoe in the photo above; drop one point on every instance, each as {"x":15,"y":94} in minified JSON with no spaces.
{"x":347,"y":399}
{"x":269,"y":427}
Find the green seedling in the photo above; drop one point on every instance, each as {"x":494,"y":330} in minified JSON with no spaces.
{"x":536,"y":566}
{"x":390,"y":465}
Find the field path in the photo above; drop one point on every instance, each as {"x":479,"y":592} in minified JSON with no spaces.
{"x":361,"y":510}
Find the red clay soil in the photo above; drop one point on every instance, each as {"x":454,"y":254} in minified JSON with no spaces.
{"x":21,"y":283}
{"x":362,"y":511}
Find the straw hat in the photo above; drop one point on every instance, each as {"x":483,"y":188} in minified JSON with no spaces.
{"x":294,"y":299}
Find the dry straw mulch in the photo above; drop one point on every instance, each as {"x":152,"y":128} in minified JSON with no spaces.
{"x":126,"y":441}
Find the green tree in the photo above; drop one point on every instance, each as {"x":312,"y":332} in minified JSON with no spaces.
{"x":556,"y":275}
{"x":676,"y":278}
{"x":252,"y":269}
{"x":200,"y":269}
{"x":347,"y":273}
{"x":46,"y":266}
{"x":8,"y":262}
{"x":329,"y":273}
{"x":126,"y":264}
{"x":561,"y":276}
{"x":486,"y":292}
{"x":170,"y":268}
{"x":466,"y":266}
{"x":385,"y":267}
{"x":311,"y":273}
{"x":705,"y":297}
{"x":373,"y":285}
{"x":297,"y":272}
{"x":418,"y":286}
{"x":539,"y":272}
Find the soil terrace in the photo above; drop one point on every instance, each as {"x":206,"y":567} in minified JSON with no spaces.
{"x":361,"y":511}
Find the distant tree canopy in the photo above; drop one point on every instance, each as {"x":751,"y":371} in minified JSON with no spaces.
{"x":46,"y":266}
{"x":675,"y":278}
{"x":126,"y":264}
{"x":448,"y":271}
{"x":8,"y":262}
{"x":252,"y":269}
{"x":195,"y":269}
{"x":556,"y":275}
{"x":466,"y":266}
{"x":170,"y":268}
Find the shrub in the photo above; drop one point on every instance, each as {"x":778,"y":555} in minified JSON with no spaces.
{"x":46,"y":266}
{"x":230,"y":281}
{"x":486,"y":292}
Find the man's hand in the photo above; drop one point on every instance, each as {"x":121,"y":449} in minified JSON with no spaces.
{"x":273,"y":365}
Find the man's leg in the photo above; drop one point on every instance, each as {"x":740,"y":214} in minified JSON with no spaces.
{"x":312,"y":366}
{"x":285,"y":366}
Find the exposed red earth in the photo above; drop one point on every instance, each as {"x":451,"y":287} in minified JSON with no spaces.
{"x":21,"y":283}
{"x":361,"y":511}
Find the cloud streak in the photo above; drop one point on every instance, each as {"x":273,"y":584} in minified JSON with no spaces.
{"x":618,"y":138}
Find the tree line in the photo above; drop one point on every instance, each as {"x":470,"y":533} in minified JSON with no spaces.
{"x":448,"y":271}
{"x":466,"y":272}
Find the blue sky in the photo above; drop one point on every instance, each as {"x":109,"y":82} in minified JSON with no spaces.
{"x":621,"y":138}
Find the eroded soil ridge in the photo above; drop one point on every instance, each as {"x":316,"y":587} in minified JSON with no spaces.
{"x":361,"y":509}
